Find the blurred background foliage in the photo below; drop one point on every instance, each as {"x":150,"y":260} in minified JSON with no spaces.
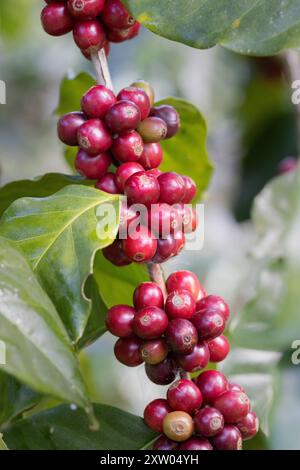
{"x":251,"y":127}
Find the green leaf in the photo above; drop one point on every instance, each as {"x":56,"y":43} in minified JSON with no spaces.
{"x":38,"y":349}
{"x":186,"y":152}
{"x":252,"y":27}
{"x":14,"y":21}
{"x":60,"y":235}
{"x":66,"y":428}
{"x":71,"y":91}
{"x":2,"y":443}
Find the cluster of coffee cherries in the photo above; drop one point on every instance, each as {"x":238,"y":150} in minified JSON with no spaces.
{"x":95,"y":23}
{"x":206,"y":413}
{"x":119,"y":146}
{"x":182,"y":333}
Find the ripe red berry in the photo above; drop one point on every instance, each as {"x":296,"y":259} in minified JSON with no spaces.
{"x":209,"y":324}
{"x":155,"y":413}
{"x":163,"y":443}
{"x":196,"y":360}
{"x":152,"y":156}
{"x":236,"y":387}
{"x":87,"y":53}
{"x":234,"y":405}
{"x":68,"y":126}
{"x":85,"y":9}
{"x":127,"y":351}
{"x":208,"y":421}
{"x":185,"y":280}
{"x":92,"y":167}
{"x":162,"y":219}
{"x":148,"y":294}
{"x":150,"y":323}
{"x":115,"y":254}
{"x":89,"y":35}
{"x":218,"y":348}
{"x":94,"y":137}
{"x":115,"y":15}
{"x":119,"y":320}
{"x":123,"y":116}
{"x":181,"y":336}
{"x":180,"y":241}
{"x":121,"y":35}
{"x":213,"y":302}
{"x":140,"y":246}
{"x":163,"y":373}
{"x":108,"y":184}
{"x":190,"y":189}
{"x":171,"y":188}
{"x":128,"y":147}
{"x":196,"y":443}
{"x":166,"y":249}
{"x":248,"y":426}
{"x":212,"y":384}
{"x":180,"y":304}
{"x":125,"y":171}
{"x":141,"y":188}
{"x":97,"y":101}
{"x":137,"y":96}
{"x":178,"y":426}
{"x":228,"y":439}
{"x":147,"y":88}
{"x":56,"y":19}
{"x":154,"y":351}
{"x":152,"y":129}
{"x":184,"y":395}
{"x":170,"y":116}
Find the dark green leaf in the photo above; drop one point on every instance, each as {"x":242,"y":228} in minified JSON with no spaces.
{"x":3,"y":446}
{"x":71,"y":91}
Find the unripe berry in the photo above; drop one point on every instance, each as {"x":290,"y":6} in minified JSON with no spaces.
{"x":108,"y":184}
{"x":212,"y":384}
{"x":148,"y":294}
{"x":119,"y":320}
{"x":89,"y":35}
{"x":171,"y":188}
{"x":127,"y":351}
{"x":163,"y":443}
{"x":208,"y":421}
{"x":155,"y":413}
{"x":218,"y":348}
{"x":152,"y":129}
{"x":142,"y":188}
{"x":180,"y":304}
{"x":92,"y":167}
{"x":190,"y":189}
{"x":150,"y":323}
{"x":184,"y":395}
{"x":125,"y":171}
{"x":185,"y":280}
{"x":94,"y":137}
{"x":170,"y":116}
{"x":181,"y":336}
{"x":141,"y":246}
{"x":147,"y":88}
{"x":85,"y":9}
{"x":234,"y":405}
{"x":248,"y":426}
{"x":178,"y":426}
{"x":163,"y":373}
{"x":137,"y":96}
{"x":128,"y":147}
{"x":115,"y":254}
{"x":68,"y":126}
{"x":121,"y":35}
{"x":196,"y":443}
{"x":97,"y":101}
{"x":166,"y":249}
{"x":228,"y":439}
{"x":196,"y":360}
{"x":115,"y":15}
{"x":213,"y":302}
{"x":155,"y":351}
{"x":209,"y":324}
{"x":56,"y":19}
{"x":152,"y":156}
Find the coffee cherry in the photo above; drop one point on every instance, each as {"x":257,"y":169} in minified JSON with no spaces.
{"x":181,"y":336}
{"x":155,"y":351}
{"x":127,"y":351}
{"x":154,"y":172}
{"x":119,"y":320}
{"x":236,"y":387}
{"x":89,"y":35}
{"x":94,"y":137}
{"x":163,"y":373}
{"x":150,"y":323}
{"x":228,"y":439}
{"x":123,"y":116}
{"x":185,"y":280}
{"x":115,"y":15}
{"x":128,"y":147}
{"x":212,"y":384}
{"x":148,"y":294}
{"x":209,"y":324}
{"x":140,"y":246}
{"x":152,"y":156}
{"x":85,"y":9}
{"x":190,"y":189}
{"x":180,"y":304}
{"x":92,"y":167}
{"x":178,"y":426}
{"x":171,"y":188}
{"x":115,"y":254}
{"x":218,"y":348}
{"x":142,"y":188}
{"x":163,"y":443}
{"x":139,"y":97}
{"x":166,"y":249}
{"x":97,"y":101}
{"x":196,"y":443}
{"x":162,"y":219}
{"x":180,"y":241}
{"x":122,"y":35}
{"x":248,"y":426}
{"x":68,"y":126}
{"x":234,"y":405}
{"x":147,"y":88}
{"x":108,"y":184}
{"x":213,"y":302}
{"x":152,"y":129}
{"x":56,"y":19}
{"x":187,"y":217}
{"x":155,"y":413}
{"x":208,"y":421}
{"x":170,"y":116}
{"x":125,"y":171}
{"x":184,"y":395}
{"x":87,"y":53}
{"x":196,"y":360}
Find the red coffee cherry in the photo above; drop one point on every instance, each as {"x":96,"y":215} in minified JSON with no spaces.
{"x":87,"y":53}
{"x":184,"y":395}
{"x":181,"y":336}
{"x":148,"y":294}
{"x":89,"y":35}
{"x":166,"y":249}
{"x":93,"y":137}
{"x":228,"y":439}
{"x":147,"y":88}
{"x":190,"y":189}
{"x":152,"y":129}
{"x":196,"y":443}
{"x":152,"y":156}
{"x":163,"y":443}
{"x":68,"y":126}
{"x":125,"y":171}
{"x":209,"y":324}
{"x":155,"y":413}
{"x":128,"y":147}
{"x":85,"y":9}
{"x":212,"y":384}
{"x":180,"y":241}
{"x":234,"y":405}
{"x":196,"y":360}
{"x":142,"y":188}
{"x":56,"y":19}
{"x":213,"y":302}
{"x":187,"y":216}
{"x":155,"y":351}
{"x":123,"y":116}
{"x":141,"y":246}
{"x":108,"y":184}
{"x":178,"y":426}
{"x":248,"y":426}
{"x":163,"y":373}
{"x":127,"y":351}
{"x":170,"y":116}
{"x":97,"y":101}
{"x":172,"y":188}
{"x":115,"y":254}
{"x":180,"y":304}
{"x":92,"y":167}
{"x":218,"y":348}
{"x":162,"y":219}
{"x":115,"y":15}
{"x":208,"y":421}
{"x":236,"y":387}
{"x":122,"y":35}
{"x":119,"y":320}
{"x":137,"y":96}
{"x":185,"y":280}
{"x":150,"y":323}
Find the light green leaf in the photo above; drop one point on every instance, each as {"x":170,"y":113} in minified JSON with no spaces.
{"x":71,"y":91}
{"x":2,"y":443}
